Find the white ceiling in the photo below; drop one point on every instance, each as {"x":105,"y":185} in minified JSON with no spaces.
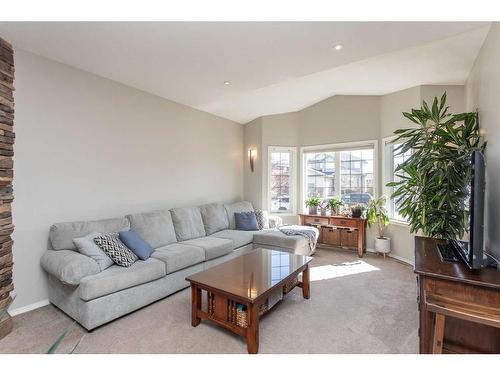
{"x":274,"y":67}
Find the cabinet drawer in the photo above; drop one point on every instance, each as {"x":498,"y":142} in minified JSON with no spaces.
{"x":331,"y":236}
{"x":315,"y":220}
{"x":343,"y":222}
{"x":349,"y":238}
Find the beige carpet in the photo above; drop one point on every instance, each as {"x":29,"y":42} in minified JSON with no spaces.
{"x":367,"y":307}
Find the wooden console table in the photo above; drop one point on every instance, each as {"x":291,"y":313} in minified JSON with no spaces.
{"x":459,"y":308}
{"x":339,"y":231}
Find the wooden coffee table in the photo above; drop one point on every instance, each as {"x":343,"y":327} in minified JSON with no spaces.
{"x":250,"y":280}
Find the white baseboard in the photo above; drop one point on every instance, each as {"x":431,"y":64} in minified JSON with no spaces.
{"x":397,"y":257}
{"x":33,"y":306}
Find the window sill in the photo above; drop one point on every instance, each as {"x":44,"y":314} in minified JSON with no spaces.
{"x":399,"y":223}
{"x":282,"y":213}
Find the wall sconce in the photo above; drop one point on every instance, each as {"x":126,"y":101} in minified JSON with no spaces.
{"x":251,"y":157}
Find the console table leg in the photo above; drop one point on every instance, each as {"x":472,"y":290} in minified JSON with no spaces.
{"x":195,"y":305}
{"x":253,"y":329}
{"x":437,"y":341}
{"x":306,"y":284}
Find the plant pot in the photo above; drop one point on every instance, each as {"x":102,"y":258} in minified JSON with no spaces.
{"x":323,"y":212}
{"x":383,"y":245}
{"x":313,"y":210}
{"x":356,"y":212}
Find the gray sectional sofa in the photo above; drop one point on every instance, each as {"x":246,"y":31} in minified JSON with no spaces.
{"x":186,"y":241}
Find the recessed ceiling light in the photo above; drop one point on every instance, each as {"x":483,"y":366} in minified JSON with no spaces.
{"x":338,"y":47}
{"x":227,"y":83}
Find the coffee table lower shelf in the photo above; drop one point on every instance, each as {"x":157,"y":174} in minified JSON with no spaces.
{"x":220,"y":306}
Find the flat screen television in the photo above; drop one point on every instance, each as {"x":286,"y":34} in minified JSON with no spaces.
{"x":471,"y":253}
{"x":474,"y":255}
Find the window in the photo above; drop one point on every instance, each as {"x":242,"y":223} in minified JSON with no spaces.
{"x":345,"y":171}
{"x":356,"y":171}
{"x":281,"y":179}
{"x":320,"y":174}
{"x":392,"y":158}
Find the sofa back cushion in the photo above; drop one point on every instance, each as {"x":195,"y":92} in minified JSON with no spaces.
{"x":154,"y":227}
{"x":188,"y":223}
{"x":61,"y":234}
{"x":214,"y":218}
{"x":231,"y":209}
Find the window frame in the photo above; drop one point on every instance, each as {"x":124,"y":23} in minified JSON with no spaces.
{"x":388,"y":175}
{"x":337,"y":147}
{"x":293,"y":179}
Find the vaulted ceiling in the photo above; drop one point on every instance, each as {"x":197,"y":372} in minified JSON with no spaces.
{"x":272,"y":67}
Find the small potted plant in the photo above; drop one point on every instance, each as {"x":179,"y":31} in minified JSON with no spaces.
{"x":322,"y":207}
{"x":357,"y":210}
{"x":334,"y":204}
{"x":312,"y":203}
{"x":377,"y":213}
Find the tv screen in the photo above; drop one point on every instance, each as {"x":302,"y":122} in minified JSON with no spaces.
{"x":474,"y":258}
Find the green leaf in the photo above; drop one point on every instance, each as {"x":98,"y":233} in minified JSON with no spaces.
{"x":58,"y":341}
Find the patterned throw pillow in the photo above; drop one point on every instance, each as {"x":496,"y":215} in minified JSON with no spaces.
{"x":262,"y":219}
{"x":115,"y":249}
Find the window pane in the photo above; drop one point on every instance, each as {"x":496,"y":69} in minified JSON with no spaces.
{"x":320,"y":174}
{"x":356,"y":181}
{"x":397,"y":159}
{"x":280,"y":181}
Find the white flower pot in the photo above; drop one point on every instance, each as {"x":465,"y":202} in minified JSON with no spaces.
{"x":383,"y":245}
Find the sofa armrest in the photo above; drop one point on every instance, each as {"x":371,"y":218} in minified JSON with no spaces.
{"x":275,"y":221}
{"x":68,"y":266}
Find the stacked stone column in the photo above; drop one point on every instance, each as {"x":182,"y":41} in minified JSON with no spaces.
{"x":6,"y":176}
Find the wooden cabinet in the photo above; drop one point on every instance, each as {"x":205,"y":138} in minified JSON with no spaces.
{"x":455,"y":284}
{"x":338,"y":231}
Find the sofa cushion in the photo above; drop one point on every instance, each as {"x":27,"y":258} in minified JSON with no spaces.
{"x":214,"y":247}
{"x":88,"y":247}
{"x":68,"y":266}
{"x":187,"y":223}
{"x":240,"y":237}
{"x":273,"y":237}
{"x":236,"y":207}
{"x":117,"y":278}
{"x":177,"y":256}
{"x":214,"y":218}
{"x":136,"y":244}
{"x":61,"y":234}
{"x":115,"y":249}
{"x":245,"y":221}
{"x":155,"y":227}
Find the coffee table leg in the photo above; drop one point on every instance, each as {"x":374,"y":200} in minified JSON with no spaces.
{"x":195,"y":305}
{"x":253,"y":329}
{"x":306,"y":285}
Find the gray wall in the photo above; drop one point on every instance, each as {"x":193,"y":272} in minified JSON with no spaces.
{"x":90,"y":148}
{"x":342,"y":119}
{"x":483,"y":94}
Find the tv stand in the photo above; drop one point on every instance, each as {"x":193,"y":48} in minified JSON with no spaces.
{"x":458,"y":307}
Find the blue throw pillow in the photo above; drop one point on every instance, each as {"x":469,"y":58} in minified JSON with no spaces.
{"x":246,"y":221}
{"x":134,"y":242}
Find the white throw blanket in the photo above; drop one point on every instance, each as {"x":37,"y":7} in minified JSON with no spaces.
{"x":309,"y":232}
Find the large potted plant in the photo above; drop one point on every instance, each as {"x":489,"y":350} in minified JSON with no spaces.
{"x":376,"y":212}
{"x":312,"y":203}
{"x":432,"y":191}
